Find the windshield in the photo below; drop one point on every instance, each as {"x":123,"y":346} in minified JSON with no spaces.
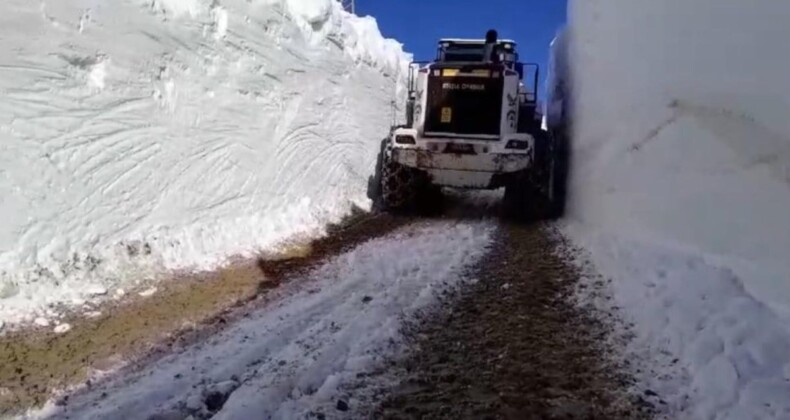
{"x":462,"y":53}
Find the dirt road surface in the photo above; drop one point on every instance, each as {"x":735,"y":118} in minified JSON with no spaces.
{"x":512,"y":346}
{"x":449,"y":330}
{"x":187,"y":309}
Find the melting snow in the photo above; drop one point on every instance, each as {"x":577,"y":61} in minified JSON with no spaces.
{"x":300,"y":355}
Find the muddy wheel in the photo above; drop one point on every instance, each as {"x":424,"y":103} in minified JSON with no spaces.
{"x":408,"y":190}
{"x":540,"y":193}
{"x":398,"y":185}
{"x":525,"y":202}
{"x":430,"y":199}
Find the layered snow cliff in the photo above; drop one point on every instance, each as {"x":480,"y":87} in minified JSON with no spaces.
{"x":141,"y":136}
{"x":681,"y":189}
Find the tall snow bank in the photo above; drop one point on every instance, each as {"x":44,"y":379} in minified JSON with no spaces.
{"x":681,"y":186}
{"x":140,"y":136}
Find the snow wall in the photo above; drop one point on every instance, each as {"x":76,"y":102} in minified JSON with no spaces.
{"x":682,"y":129}
{"x":142,"y":136}
{"x":681,"y":188}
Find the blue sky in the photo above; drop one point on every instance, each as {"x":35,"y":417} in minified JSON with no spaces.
{"x":418,"y":24}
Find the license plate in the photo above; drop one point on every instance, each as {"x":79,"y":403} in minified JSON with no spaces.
{"x":460,"y":148}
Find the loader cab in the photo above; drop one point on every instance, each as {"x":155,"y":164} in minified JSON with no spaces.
{"x":460,"y":79}
{"x":452,"y":50}
{"x":466,"y":51}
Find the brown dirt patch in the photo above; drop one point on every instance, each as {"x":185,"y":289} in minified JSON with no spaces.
{"x":33,"y":363}
{"x":513,"y":346}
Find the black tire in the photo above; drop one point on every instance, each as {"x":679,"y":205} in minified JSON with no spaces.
{"x":398,"y":186}
{"x":408,"y":190}
{"x":430,"y":199}
{"x":526,"y":115}
{"x":535,"y":195}
{"x":525,"y":202}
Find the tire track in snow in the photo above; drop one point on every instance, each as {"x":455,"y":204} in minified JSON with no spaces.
{"x":291,"y":358}
{"x":32,"y":69}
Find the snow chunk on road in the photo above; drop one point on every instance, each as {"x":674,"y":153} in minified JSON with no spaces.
{"x":298,"y":355}
{"x":41,"y":322}
{"x":93,"y":291}
{"x":62,"y":328}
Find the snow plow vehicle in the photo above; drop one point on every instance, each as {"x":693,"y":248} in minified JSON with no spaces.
{"x":471,"y":123}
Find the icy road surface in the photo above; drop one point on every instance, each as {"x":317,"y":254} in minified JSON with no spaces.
{"x":294,"y":357}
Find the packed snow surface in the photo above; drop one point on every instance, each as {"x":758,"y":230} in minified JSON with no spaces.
{"x":142,"y":136}
{"x":681,"y":189}
{"x":311,"y":349}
